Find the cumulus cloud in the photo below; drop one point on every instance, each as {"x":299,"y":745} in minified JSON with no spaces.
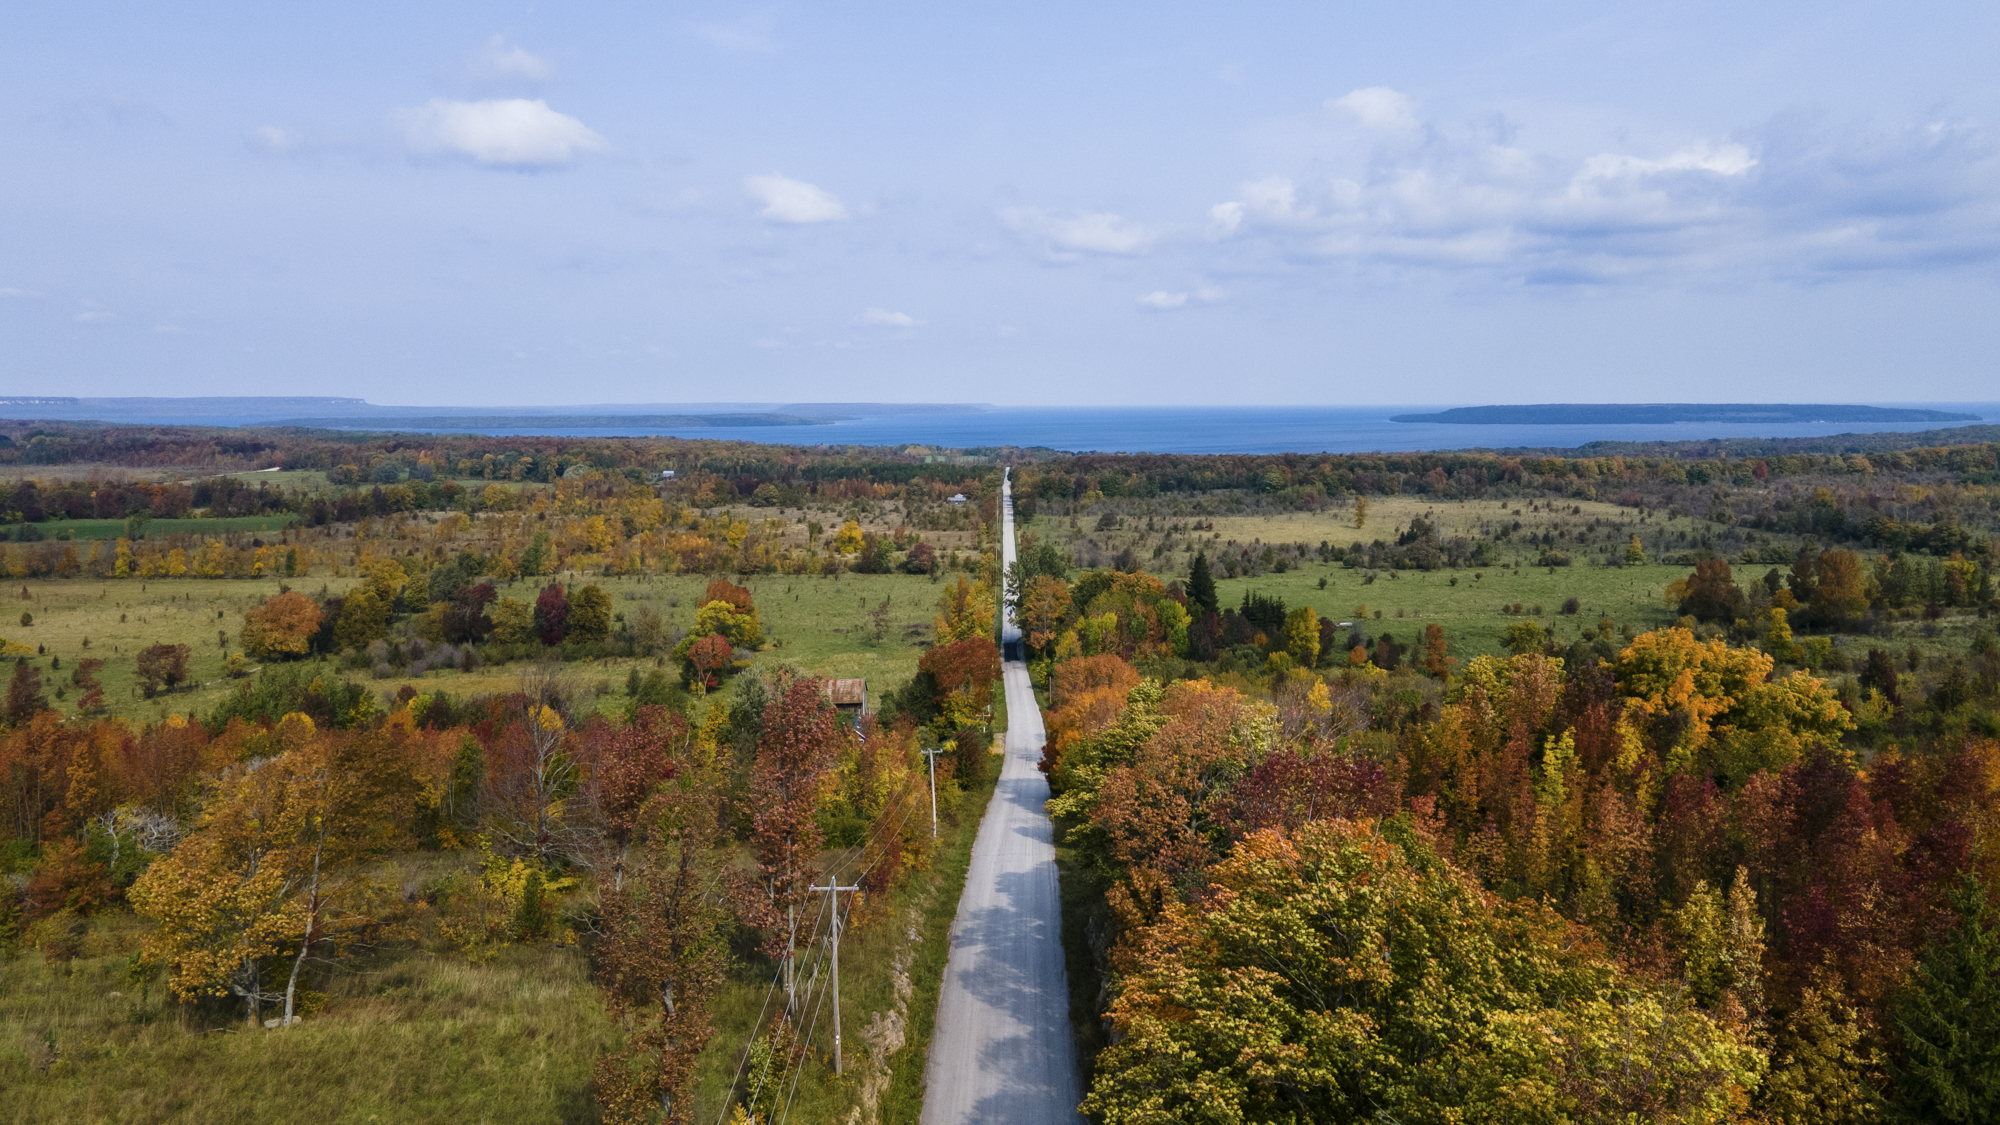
{"x":1097,"y":233}
{"x":503,"y":132}
{"x":1161,"y":299}
{"x":510,"y":62}
{"x":1377,"y":107}
{"x":883,"y":318}
{"x":794,"y":201}
{"x":1790,"y":198}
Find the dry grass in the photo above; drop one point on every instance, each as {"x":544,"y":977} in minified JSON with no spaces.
{"x":404,"y":1037}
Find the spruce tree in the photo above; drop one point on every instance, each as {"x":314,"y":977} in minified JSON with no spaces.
{"x":1950,"y":1020}
{"x":1201,"y":584}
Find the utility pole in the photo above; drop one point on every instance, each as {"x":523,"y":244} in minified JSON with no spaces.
{"x":932,"y":755}
{"x":833,"y":890}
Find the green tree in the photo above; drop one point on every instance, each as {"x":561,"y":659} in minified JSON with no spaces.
{"x":513,"y":622}
{"x":1201,"y":584}
{"x":589,"y":614}
{"x":364,"y":618}
{"x":1949,"y":1017}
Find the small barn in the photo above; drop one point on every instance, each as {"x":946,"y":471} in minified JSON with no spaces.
{"x":850,"y":697}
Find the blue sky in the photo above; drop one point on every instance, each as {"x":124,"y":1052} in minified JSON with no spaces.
{"x":1029,"y":203}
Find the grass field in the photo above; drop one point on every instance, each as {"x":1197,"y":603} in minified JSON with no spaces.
{"x":1470,"y":611}
{"x":821,"y":625}
{"x":161,"y":529}
{"x":1467,"y":603}
{"x":406,"y":1036}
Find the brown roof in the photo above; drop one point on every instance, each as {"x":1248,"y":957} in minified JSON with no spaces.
{"x":848,"y":693}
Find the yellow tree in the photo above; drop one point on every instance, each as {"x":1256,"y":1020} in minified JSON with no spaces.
{"x":270,"y":868}
{"x":965,"y":611}
{"x":1302,"y":635}
{"x":221,"y":901}
{"x":849,"y":539}
{"x":1045,"y":602}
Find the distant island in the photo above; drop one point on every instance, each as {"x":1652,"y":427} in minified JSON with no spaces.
{"x":1659,"y":413}
{"x":490,"y":422}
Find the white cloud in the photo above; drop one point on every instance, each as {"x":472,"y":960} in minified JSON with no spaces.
{"x":1161,"y":299}
{"x":883,"y":318}
{"x":794,"y":201}
{"x":93,"y":316}
{"x":7,"y":292}
{"x":1098,"y":233}
{"x":168,"y":329}
{"x":504,"y":61}
{"x":505,"y":132}
{"x":1377,"y":107}
{"x":274,"y":139}
{"x":1723,"y":160}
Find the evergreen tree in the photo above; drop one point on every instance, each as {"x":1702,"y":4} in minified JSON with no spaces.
{"x":1201,"y":584}
{"x":1950,"y":1020}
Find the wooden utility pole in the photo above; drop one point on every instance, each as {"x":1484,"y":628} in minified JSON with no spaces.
{"x":932,"y":755}
{"x":833,"y":890}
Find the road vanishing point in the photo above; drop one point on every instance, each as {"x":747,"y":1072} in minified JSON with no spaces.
{"x":1001,"y":1051}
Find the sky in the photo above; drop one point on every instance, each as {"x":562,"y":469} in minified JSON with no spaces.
{"x":1030,"y":203}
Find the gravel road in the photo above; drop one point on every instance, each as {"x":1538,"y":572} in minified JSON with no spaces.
{"x":1001,"y":1052}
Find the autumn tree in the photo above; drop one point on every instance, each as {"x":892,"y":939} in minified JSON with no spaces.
{"x":792,"y":769}
{"x":961,"y":676}
{"x":727,"y":611}
{"x":964,"y":610}
{"x":1711,"y":594}
{"x":282,"y":627}
{"x":1437,"y":662}
{"x":349,"y":797}
{"x":221,"y":901}
{"x":1302,"y":635}
{"x":1044,"y":605}
{"x":1332,"y":974}
{"x":661,"y":954}
{"x":162,"y":666}
{"x":24,"y":694}
{"x":1838,"y":594}
{"x":707,"y":656}
{"x":84,"y":676}
{"x":849,"y":539}
{"x":552,"y":614}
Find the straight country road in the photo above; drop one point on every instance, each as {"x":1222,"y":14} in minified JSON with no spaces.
{"x":1001,"y":1052}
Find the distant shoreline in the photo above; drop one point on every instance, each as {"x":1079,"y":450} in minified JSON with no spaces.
{"x":1672,"y":413}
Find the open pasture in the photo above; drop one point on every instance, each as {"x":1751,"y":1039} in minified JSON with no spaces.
{"x":833,"y":626}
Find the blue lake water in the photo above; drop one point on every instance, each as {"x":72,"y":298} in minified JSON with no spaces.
{"x":1217,"y":429}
